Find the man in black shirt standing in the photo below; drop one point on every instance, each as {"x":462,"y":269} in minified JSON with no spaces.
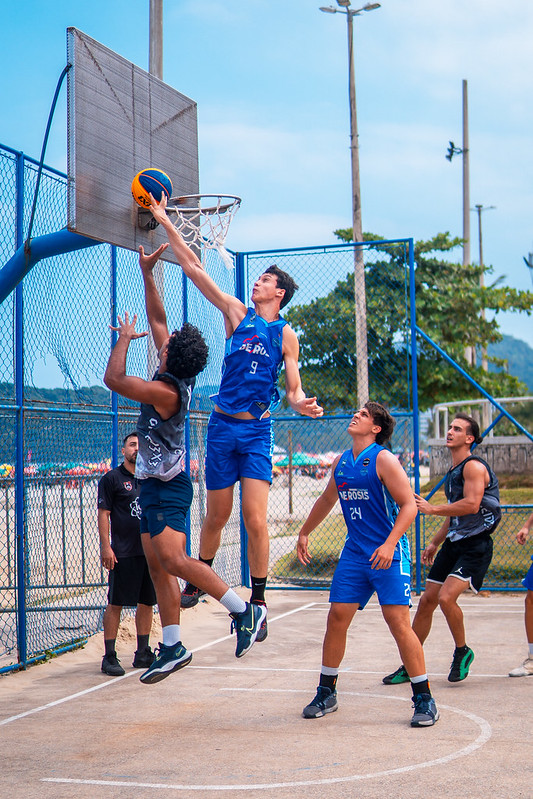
{"x":122,"y":555}
{"x":471,"y":515}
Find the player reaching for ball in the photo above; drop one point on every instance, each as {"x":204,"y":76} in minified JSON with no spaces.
{"x":239,"y":434}
{"x":165,"y":488}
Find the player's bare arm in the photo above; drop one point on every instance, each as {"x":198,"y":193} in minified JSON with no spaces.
{"x":157,"y":393}
{"x":524,"y":531}
{"x":395,"y":480}
{"x":155,"y":311}
{"x":428,"y":554}
{"x":307,"y":406}
{"x":476,"y":479}
{"x":232,"y":308}
{"x":107,"y":556}
{"x":323,"y":505}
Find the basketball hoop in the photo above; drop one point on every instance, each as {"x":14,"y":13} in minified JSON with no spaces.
{"x":204,"y":220}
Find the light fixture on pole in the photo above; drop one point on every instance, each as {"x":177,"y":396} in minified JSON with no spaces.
{"x":357,"y":227}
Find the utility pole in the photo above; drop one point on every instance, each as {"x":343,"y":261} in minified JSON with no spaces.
{"x":480,"y":209}
{"x":470,"y":353}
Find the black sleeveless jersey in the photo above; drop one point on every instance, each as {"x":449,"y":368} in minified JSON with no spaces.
{"x":489,"y":514}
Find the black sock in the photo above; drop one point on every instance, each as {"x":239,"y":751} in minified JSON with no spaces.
{"x":329,"y":681}
{"x":461,"y":649}
{"x":190,"y":587}
{"x":421,"y":687}
{"x":258,"y":590}
{"x":109,"y":644}
{"x":142,"y":642}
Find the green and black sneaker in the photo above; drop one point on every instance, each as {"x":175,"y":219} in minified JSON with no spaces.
{"x":462,"y":660}
{"x":398,"y":676}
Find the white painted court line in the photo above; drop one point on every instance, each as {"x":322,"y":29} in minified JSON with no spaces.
{"x":115,"y":680}
{"x":484,"y":735}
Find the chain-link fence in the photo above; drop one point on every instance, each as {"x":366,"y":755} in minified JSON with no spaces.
{"x":61,"y":428}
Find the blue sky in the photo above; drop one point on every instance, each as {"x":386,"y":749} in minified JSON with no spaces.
{"x":271,"y":82}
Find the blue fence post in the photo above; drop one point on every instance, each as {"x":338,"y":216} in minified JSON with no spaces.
{"x":416,"y":430}
{"x":185,"y":306}
{"x":241,"y":294}
{"x":19,"y":434}
{"x":114,"y":337}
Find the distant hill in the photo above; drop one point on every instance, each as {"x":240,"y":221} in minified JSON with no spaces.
{"x":519,"y":357}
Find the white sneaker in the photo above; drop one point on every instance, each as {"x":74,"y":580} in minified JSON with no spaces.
{"x":525,"y":670}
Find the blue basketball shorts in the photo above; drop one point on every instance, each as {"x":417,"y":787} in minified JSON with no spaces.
{"x":165,"y":503}
{"x":355,"y":581}
{"x":237,"y":448}
{"x":527,"y":582}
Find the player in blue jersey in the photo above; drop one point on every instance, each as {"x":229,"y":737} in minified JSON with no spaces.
{"x":471,"y":515}
{"x":239,"y":437}
{"x":165,"y":487}
{"x":526,"y":669}
{"x":378,"y":507}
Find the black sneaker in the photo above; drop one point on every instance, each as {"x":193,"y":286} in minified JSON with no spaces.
{"x":398,"y":676}
{"x":190,"y":596}
{"x":247,"y":625}
{"x":460,"y":665}
{"x":324,"y":702}
{"x":111,"y":665}
{"x":426,"y":713}
{"x":168,"y":660}
{"x":263,"y":630}
{"x":143,"y":658}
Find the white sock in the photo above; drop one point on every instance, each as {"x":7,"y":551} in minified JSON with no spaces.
{"x":530,"y":646}
{"x":232,"y":602}
{"x":329,"y":671}
{"x":171,"y":634}
{"x":419,"y":678}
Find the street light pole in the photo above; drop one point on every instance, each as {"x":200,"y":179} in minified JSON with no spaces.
{"x":480,"y":209}
{"x":361,"y":346}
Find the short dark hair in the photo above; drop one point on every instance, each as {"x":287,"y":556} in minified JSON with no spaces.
{"x":382,"y":418}
{"x":130,"y":435}
{"x":472,"y":429}
{"x":284,"y":281}
{"x":187,"y":352}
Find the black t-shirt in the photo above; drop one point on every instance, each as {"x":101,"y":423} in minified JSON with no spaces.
{"x":118,"y":492}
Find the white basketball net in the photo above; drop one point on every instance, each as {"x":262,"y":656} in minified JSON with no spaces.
{"x":204,"y":220}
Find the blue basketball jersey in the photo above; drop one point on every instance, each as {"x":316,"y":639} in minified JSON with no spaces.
{"x":251,"y":367}
{"x":368,"y":508}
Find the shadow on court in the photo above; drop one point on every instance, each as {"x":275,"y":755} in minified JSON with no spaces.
{"x":228,"y":727}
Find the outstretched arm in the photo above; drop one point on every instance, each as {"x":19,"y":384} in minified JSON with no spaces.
{"x":155,"y":310}
{"x":155,"y":392}
{"x":296,"y":397}
{"x":232,"y":309}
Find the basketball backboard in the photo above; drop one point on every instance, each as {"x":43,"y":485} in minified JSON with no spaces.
{"x":121,"y":119}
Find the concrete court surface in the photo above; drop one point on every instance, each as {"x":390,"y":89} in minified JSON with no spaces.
{"x":233,"y":728}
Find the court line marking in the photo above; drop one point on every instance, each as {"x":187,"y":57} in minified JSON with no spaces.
{"x":484,"y":736}
{"x":115,"y":680}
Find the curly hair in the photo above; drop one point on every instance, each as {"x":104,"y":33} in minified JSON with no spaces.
{"x":187,"y":352}
{"x":382,"y":418}
{"x":284,"y":281}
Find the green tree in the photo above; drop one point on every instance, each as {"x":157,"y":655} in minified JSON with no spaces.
{"x":449,"y":301}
